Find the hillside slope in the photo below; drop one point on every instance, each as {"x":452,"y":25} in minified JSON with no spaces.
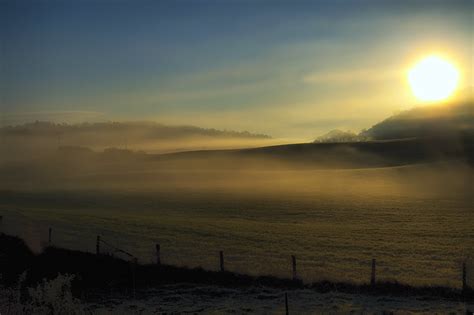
{"x":334,"y":155}
{"x":441,"y":121}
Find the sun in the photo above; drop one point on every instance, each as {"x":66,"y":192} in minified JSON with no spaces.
{"x":433,"y":79}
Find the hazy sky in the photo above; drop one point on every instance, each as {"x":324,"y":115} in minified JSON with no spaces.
{"x":290,"y":69}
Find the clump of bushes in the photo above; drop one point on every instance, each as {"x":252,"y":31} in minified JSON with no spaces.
{"x":48,"y":297}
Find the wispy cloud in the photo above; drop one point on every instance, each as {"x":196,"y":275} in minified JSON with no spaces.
{"x":352,"y":75}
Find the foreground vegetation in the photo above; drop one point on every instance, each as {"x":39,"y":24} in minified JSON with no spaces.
{"x":22,"y":268}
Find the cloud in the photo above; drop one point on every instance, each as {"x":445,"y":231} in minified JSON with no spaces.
{"x":353,"y":75}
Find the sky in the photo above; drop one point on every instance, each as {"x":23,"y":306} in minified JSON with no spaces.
{"x":290,"y":69}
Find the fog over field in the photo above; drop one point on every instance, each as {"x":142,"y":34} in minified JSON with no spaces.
{"x":41,"y":136}
{"x":407,"y":202}
{"x":335,"y":221}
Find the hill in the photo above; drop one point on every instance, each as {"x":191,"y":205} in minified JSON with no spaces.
{"x":333,"y":155}
{"x":422,"y":135}
{"x":440,"y":121}
{"x":133,"y":130}
{"x":147,"y":136}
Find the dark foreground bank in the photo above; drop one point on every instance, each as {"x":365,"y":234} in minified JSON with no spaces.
{"x":94,"y":273}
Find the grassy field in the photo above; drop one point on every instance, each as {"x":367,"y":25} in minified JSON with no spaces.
{"x":416,"y":223}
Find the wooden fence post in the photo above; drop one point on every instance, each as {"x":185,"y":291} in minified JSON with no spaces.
{"x":464,"y":277}
{"x":134,"y":281}
{"x":97,"y":245}
{"x":286,"y":304}
{"x":49,"y":236}
{"x":221,"y":258}
{"x":158,"y":258}
{"x":372,"y":275}
{"x":293,"y":262}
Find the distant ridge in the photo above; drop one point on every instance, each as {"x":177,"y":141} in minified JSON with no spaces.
{"x":150,"y":130}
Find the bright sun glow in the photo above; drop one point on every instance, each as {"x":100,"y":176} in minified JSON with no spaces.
{"x":433,"y":79}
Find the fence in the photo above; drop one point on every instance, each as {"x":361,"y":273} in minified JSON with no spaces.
{"x":462,"y":276}
{"x":464,"y":286}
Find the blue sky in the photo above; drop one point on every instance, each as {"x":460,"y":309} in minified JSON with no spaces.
{"x":287,"y":68}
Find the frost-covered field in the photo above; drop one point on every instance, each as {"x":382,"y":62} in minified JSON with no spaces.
{"x":54,"y":297}
{"x":418,"y":227}
{"x":190,"y":299}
